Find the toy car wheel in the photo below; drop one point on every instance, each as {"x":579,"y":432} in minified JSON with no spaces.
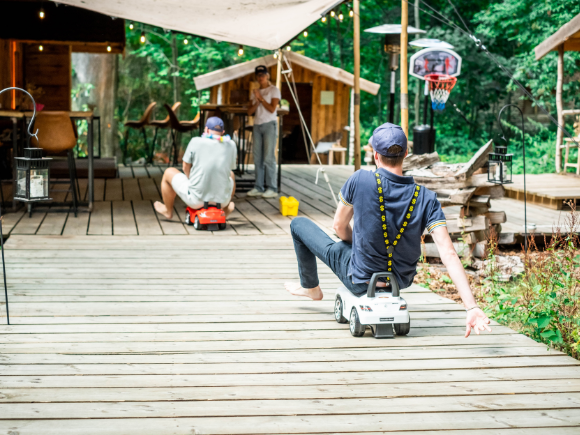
{"x":403,"y":328}
{"x":338,"y":308}
{"x":356,"y":329}
{"x":197,"y":225}
{"x":187,"y":218}
{"x":222,"y":226}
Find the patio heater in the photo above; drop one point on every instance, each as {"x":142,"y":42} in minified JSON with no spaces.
{"x":392,"y":46}
{"x":499,"y":169}
{"x":30,"y":134}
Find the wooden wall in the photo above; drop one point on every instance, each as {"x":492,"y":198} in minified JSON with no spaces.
{"x":325,"y":119}
{"x":49,"y":70}
{"x":10,"y":62}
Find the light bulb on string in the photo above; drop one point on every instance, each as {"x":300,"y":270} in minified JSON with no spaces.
{"x":332,"y":14}
{"x":109,"y":48}
{"x":241,"y":50}
{"x":305,"y":33}
{"x":40,"y":48}
{"x":185,"y":41}
{"x":142,"y":39}
{"x":323,"y":19}
{"x":41,"y":14}
{"x":350,"y":13}
{"x":340,"y":16}
{"x":131,"y":26}
{"x":275,"y":55}
{"x":288,"y":48}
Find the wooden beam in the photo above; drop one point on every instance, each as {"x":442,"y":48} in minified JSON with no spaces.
{"x":559,"y":107}
{"x":404,"y":72}
{"x":566,"y":32}
{"x":356,"y":10}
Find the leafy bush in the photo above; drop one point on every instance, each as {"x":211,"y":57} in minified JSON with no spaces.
{"x":544,"y":303}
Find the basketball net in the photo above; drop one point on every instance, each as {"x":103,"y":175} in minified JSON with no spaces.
{"x":440,"y":86}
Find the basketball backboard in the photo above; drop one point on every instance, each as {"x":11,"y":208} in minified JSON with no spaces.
{"x":435,"y":60}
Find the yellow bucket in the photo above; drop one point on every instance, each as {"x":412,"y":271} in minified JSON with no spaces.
{"x":289,"y":206}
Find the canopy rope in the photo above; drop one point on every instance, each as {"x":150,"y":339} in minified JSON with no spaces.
{"x":286,"y":73}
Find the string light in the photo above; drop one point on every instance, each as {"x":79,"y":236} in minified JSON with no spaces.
{"x":288,"y":48}
{"x":142,"y":39}
{"x":323,"y":19}
{"x":185,"y":41}
{"x":275,"y":55}
{"x":332,"y":14}
{"x":241,"y":50}
{"x":109,"y":48}
{"x":340,"y":16}
{"x":131,"y":26}
{"x":41,"y":14}
{"x":305,"y":33}
{"x":40,"y":48}
{"x":350,"y":13}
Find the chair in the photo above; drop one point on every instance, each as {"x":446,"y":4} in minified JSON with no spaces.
{"x":179,"y":127}
{"x":57,"y":135}
{"x":329,"y":145}
{"x":138,"y":125}
{"x":572,"y":143}
{"x":163,"y":124}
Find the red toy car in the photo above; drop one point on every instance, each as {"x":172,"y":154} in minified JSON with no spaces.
{"x":210,"y":217}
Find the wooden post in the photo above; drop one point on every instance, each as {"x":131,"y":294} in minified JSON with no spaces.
{"x":404,"y":68}
{"x":559,"y":108}
{"x":279,"y":86}
{"x":356,"y":10}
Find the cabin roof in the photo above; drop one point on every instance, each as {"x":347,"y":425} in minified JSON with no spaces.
{"x":568,"y":34}
{"x":243,"y":69}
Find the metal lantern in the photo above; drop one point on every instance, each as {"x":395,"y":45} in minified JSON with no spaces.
{"x":500,"y":166}
{"x":32,"y":176}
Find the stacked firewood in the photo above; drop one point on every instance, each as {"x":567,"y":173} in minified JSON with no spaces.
{"x":463,"y":185}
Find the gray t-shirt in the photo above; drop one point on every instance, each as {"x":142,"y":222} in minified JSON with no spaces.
{"x":212,"y":162}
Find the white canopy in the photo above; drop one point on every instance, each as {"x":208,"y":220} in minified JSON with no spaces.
{"x":266,"y":24}
{"x":243,"y":69}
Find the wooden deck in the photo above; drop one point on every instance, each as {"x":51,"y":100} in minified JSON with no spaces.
{"x":153,"y":335}
{"x":124,"y":206}
{"x":547,"y":190}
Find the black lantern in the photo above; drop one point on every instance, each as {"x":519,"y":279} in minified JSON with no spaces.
{"x":32,"y":176}
{"x":500,"y":166}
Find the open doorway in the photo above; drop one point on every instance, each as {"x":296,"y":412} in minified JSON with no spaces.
{"x":293,"y":143}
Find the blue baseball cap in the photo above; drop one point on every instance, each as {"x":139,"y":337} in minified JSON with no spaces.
{"x":216,"y":124}
{"x":387,"y":135}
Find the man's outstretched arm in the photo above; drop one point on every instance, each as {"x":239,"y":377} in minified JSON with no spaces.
{"x":476,"y":318}
{"x":341,"y":223}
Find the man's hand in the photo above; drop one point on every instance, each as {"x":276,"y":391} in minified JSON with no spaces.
{"x":258,"y":96}
{"x":477,"y":320}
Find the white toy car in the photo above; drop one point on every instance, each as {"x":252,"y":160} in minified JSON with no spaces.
{"x":381,"y":309}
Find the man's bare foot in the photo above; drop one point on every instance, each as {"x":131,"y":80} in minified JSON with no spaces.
{"x":162,"y":210}
{"x":313,"y":293}
{"x":229,"y":208}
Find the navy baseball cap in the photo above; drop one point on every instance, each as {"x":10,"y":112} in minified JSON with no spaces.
{"x":214,"y":123}
{"x":387,"y":135}
{"x":261,"y":69}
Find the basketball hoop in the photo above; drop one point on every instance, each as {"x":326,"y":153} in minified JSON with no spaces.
{"x":440,"y":86}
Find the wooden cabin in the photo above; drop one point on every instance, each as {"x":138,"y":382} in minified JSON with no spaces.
{"x":36,"y":42}
{"x":323,"y":91}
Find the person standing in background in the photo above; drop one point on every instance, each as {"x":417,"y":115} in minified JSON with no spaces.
{"x":265,"y":101}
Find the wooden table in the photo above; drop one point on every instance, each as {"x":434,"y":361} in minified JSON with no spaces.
{"x":16,"y":115}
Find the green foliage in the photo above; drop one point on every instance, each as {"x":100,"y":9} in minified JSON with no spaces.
{"x":509,"y":28}
{"x":545,"y":302}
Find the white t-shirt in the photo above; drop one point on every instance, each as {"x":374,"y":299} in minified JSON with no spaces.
{"x":263,"y":115}
{"x":212,"y":161}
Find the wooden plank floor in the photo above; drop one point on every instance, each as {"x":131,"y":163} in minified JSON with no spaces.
{"x":124,"y":206}
{"x":151,"y":335}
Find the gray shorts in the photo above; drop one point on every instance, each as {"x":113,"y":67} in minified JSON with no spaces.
{"x":180,"y":184}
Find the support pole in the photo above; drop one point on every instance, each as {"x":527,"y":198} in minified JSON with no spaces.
{"x":404,"y":68}
{"x":356,"y":10}
{"x":559,"y":108}
{"x":392,"y":97}
{"x":278,"y":119}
